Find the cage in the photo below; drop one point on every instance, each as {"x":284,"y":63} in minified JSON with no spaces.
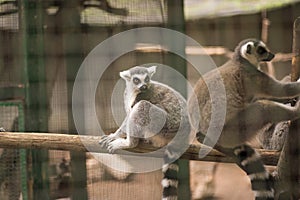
{"x":43,"y":46}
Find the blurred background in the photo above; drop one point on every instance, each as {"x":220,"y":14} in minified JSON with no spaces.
{"x":43,"y":44}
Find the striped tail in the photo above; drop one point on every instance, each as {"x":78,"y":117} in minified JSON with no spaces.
{"x":170,"y":181}
{"x":170,"y":168}
{"x":249,"y":160}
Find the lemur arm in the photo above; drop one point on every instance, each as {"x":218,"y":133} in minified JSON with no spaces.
{"x":287,"y":100}
{"x":266,"y":87}
{"x":121,"y":130}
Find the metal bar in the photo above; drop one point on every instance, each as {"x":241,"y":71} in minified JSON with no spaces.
{"x":176,"y":22}
{"x":36,"y":105}
{"x":71,"y":32}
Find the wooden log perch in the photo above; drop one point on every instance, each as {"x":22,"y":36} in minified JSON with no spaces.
{"x":53,"y":141}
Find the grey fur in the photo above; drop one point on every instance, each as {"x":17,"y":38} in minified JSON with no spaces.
{"x":253,"y":104}
{"x":154,"y":110}
{"x":252,"y":97}
{"x":273,"y":135}
{"x":156,"y":113}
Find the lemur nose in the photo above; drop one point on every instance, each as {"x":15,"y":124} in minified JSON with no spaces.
{"x":143,"y":87}
{"x":270,"y":57}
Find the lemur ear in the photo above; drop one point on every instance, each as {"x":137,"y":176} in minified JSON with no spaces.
{"x":152,"y":70}
{"x":125,"y":75}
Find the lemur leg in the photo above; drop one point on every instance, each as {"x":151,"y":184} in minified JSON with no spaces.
{"x":145,"y":120}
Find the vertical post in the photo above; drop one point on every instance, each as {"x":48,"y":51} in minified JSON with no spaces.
{"x":264,"y":37}
{"x":288,"y":165}
{"x":176,"y":22}
{"x":293,"y":136}
{"x":23,"y":154}
{"x":72,"y":37}
{"x":36,"y":105}
{"x":296,"y":51}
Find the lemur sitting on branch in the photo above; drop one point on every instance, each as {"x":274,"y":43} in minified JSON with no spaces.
{"x":252,"y":101}
{"x":157,"y":113}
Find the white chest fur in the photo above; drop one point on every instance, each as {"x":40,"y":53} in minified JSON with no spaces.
{"x":129,"y":98}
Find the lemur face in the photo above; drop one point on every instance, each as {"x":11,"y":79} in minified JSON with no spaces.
{"x":141,"y":81}
{"x":138,"y":78}
{"x":255,"y":51}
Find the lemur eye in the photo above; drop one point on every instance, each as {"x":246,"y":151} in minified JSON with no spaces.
{"x":136,"y":81}
{"x":261,"y":50}
{"x":147,"y":79}
{"x":248,"y":51}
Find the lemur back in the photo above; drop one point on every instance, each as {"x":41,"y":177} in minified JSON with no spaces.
{"x":156,"y":113}
{"x":252,"y":101}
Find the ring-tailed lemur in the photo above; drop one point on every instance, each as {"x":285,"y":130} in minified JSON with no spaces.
{"x":155,"y":112}
{"x":252,"y":102}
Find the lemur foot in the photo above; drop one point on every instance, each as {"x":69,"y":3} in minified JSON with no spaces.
{"x":106,"y":140}
{"x":114,"y":145}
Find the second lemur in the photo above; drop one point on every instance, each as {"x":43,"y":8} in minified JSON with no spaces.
{"x":156,"y":113}
{"x":252,"y":101}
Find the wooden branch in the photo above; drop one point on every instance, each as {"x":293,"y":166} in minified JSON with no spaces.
{"x":78,"y":143}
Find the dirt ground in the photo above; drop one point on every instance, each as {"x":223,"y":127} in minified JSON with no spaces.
{"x":140,"y":187}
{"x":227,"y":183}
{"x":219,"y":181}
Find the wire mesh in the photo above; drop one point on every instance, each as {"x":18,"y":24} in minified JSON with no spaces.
{"x":127,"y":13}
{"x":9,"y":15}
{"x":99,"y":22}
{"x":13,"y":181}
{"x":102,"y":181}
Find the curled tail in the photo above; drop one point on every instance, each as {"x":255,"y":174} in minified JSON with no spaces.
{"x":250,"y":161}
{"x":170,"y":181}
